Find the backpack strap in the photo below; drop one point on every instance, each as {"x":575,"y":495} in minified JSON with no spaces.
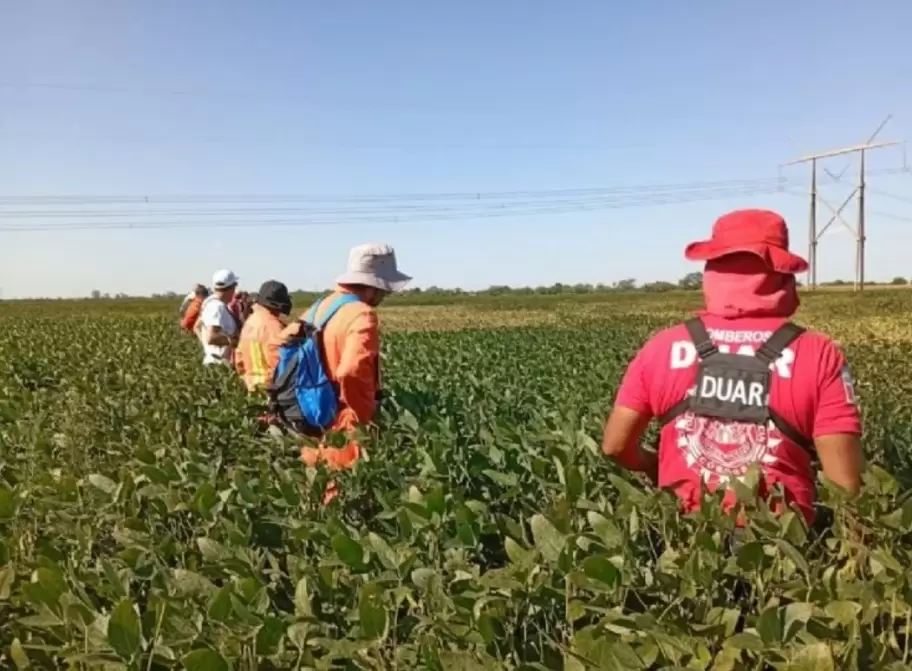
{"x":768,"y":353}
{"x":781,"y":338}
{"x":312,"y":313}
{"x":675,"y":411}
{"x":700,"y":337}
{"x":705,"y":349}
{"x":333,"y":308}
{"x":791,"y":432}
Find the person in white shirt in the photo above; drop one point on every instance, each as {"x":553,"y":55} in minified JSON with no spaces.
{"x":219,"y":328}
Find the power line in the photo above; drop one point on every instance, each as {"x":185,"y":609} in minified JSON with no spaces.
{"x":893,"y":196}
{"x":303,"y":97}
{"x":467,"y":207}
{"x":474,"y":196}
{"x":407,"y":217}
{"x":272,"y":137}
{"x":351,"y":209}
{"x":198,"y":92}
{"x":428,"y":196}
{"x":894,"y":217}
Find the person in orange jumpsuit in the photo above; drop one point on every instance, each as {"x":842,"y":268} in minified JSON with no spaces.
{"x":191,"y":311}
{"x":258,"y":347}
{"x":352,"y":348}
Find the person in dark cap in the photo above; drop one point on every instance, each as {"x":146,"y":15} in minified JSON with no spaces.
{"x":740,"y":386}
{"x":258,"y":348}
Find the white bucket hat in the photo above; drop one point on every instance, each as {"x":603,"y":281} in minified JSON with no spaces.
{"x":374,"y":265}
{"x":224,"y":279}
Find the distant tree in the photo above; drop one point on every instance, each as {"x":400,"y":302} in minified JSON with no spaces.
{"x":96,"y":294}
{"x":626,"y":285}
{"x":658,"y":287}
{"x":691,"y":281}
{"x":498,"y":290}
{"x":899,"y":281}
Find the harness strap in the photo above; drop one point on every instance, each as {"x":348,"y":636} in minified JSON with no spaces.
{"x":700,"y":337}
{"x":791,"y":432}
{"x":780,"y":339}
{"x":675,"y":411}
{"x":769,"y":352}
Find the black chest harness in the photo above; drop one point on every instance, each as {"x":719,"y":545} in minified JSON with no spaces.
{"x":735,"y":387}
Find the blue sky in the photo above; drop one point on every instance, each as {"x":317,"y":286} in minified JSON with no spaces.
{"x":100,"y":97}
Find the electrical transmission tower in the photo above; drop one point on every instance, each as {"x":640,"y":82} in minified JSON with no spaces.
{"x":857,"y":193}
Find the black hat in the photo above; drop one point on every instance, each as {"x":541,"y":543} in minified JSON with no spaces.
{"x":274,"y":295}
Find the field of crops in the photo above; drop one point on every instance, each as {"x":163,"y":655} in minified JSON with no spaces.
{"x":145,"y":525}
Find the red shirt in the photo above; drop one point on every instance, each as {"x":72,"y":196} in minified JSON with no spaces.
{"x":811,"y":388}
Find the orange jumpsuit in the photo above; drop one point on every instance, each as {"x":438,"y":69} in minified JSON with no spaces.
{"x":352,"y":345}
{"x":188,"y":322}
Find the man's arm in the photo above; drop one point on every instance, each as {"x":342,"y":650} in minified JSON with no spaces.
{"x":622,"y":441}
{"x":275,"y":338}
{"x":357,"y":374}
{"x":215,"y":336}
{"x":629,"y":419}
{"x":837,"y":421}
{"x":841,"y":459}
{"x":213,"y":333}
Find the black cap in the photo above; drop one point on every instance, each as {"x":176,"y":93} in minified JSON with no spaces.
{"x":274,"y":295}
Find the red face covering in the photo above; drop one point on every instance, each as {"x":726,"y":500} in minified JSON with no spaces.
{"x":741,"y":285}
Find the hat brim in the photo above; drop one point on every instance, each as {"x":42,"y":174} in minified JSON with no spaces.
{"x":280,"y":306}
{"x":395,"y":281}
{"x":777,"y":259}
{"x":222,"y":285}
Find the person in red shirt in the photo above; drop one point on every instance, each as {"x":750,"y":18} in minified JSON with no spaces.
{"x":716,"y":422}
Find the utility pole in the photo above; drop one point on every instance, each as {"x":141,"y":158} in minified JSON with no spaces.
{"x":858,"y":231}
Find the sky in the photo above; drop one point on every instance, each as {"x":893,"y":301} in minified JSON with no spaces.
{"x":596,"y":138}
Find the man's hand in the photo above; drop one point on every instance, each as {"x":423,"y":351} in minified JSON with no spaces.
{"x":623,"y":432}
{"x":650,"y":462}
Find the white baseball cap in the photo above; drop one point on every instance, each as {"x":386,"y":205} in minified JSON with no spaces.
{"x":224,"y":279}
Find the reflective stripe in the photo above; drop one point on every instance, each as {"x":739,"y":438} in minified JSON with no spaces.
{"x":254,"y":348}
{"x":258,"y":373}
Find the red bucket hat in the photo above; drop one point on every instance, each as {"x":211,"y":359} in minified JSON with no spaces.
{"x":760,"y":232}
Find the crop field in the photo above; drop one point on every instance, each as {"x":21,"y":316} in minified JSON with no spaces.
{"x":145,"y":524}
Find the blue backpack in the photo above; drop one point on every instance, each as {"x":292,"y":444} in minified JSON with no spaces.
{"x":302,"y":395}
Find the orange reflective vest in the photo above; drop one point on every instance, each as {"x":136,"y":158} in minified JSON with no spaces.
{"x":257,"y":352}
